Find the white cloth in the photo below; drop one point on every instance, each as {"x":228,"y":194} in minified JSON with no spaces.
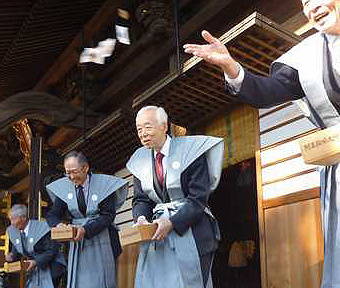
{"x":122,"y":34}
{"x":26,"y":228}
{"x":235,"y":83}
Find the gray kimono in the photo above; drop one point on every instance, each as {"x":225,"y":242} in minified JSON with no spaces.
{"x":91,"y":262}
{"x":40,"y":277}
{"x":176,"y":260}
{"x":321,"y":85}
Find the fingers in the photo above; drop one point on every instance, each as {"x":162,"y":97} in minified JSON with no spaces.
{"x":80,"y":234}
{"x":163,"y":229}
{"x":193,"y":48}
{"x":77,"y":238}
{"x":202,"y":51}
{"x":142,"y":220}
{"x":159,"y":234}
{"x":9,"y":257}
{"x":31,"y":265}
{"x":209,"y":38}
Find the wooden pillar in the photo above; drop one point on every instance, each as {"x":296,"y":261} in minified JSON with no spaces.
{"x":35,"y":177}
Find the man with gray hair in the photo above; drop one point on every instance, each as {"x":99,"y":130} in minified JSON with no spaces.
{"x":91,"y":201}
{"x":31,"y":239}
{"x":173,"y":178}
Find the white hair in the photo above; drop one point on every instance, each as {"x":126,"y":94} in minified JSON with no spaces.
{"x":161,"y":115}
{"x":18,"y":210}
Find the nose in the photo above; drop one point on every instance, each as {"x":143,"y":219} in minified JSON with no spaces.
{"x":15,"y":223}
{"x":143,"y":132}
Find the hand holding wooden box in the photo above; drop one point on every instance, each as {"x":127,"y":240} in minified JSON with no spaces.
{"x":64,"y":233}
{"x":137,"y":234}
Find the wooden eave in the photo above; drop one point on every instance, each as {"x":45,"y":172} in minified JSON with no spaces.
{"x":191,"y":95}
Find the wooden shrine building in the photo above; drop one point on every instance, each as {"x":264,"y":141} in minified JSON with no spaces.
{"x":268,"y":200}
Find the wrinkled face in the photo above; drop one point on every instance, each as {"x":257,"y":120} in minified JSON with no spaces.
{"x":150,"y":132}
{"x":19,"y":222}
{"x":75,"y":172}
{"x":324,"y":14}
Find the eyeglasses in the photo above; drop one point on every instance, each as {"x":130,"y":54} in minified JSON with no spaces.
{"x":74,"y":172}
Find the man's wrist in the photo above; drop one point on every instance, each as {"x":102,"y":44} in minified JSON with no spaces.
{"x":231,"y":69}
{"x":234,"y":84}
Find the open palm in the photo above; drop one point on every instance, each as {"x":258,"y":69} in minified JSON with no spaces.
{"x":214,"y":52}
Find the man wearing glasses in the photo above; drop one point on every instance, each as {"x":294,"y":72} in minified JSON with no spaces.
{"x":91,"y":201}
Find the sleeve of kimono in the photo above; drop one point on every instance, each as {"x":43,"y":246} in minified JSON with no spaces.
{"x":281,"y":86}
{"x":55,"y":216}
{"x":16,"y":254}
{"x":107,"y":212}
{"x":195,"y":184}
{"x":45,"y":250}
{"x":141,"y":203}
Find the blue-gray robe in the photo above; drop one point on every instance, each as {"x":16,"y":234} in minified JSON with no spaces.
{"x":91,"y":262}
{"x":39,"y":277}
{"x":176,"y":260}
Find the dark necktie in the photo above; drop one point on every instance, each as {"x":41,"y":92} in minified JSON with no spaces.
{"x":159,"y":168}
{"x":81,"y":199}
{"x":23,"y":242}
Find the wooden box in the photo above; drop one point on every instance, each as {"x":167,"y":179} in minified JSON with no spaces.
{"x":15,"y":267}
{"x":137,"y":234}
{"x":321,"y":147}
{"x":63,"y":233}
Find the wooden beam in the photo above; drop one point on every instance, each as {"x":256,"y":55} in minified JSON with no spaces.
{"x":155,"y":53}
{"x":292,"y":198}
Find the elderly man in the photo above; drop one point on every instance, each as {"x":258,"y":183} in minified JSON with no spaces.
{"x":173,"y":178}
{"x":31,"y":239}
{"x":91,"y":201}
{"x":310,"y":70}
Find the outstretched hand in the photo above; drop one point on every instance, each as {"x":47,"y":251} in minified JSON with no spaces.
{"x":215,"y":53}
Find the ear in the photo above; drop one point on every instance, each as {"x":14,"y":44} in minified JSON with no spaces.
{"x":86,"y":168}
{"x":165,"y":128}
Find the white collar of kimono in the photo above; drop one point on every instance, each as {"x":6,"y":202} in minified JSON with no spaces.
{"x":166,"y":147}
{"x":26,"y":228}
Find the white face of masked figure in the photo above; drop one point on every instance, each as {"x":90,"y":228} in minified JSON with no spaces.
{"x":324,"y":14}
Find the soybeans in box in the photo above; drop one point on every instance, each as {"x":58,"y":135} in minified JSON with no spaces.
{"x":63,"y":233}
{"x":137,"y":234}
{"x":322,"y":147}
{"x":15,"y":267}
